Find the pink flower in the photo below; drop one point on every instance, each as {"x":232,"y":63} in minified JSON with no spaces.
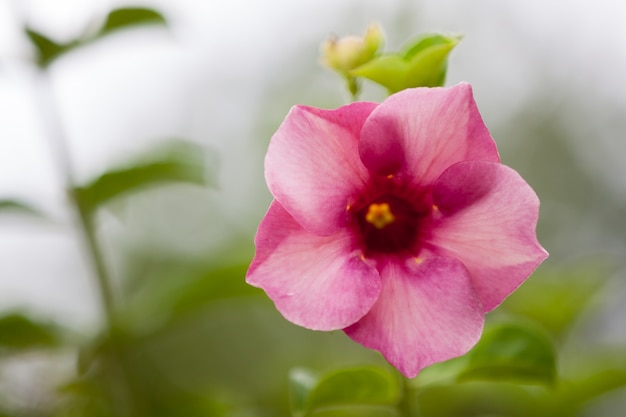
{"x":395,"y":222}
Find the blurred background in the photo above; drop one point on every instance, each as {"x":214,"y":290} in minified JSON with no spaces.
{"x":186,"y":335}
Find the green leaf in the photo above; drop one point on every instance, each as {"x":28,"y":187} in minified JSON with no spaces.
{"x":575,"y":395}
{"x":131,"y":16}
{"x":47,"y":50}
{"x":445,"y":372}
{"x":19,"y":207}
{"x":18,"y":332}
{"x":514,"y":352}
{"x":178,"y":161}
{"x":557,"y":298}
{"x":478,"y":399}
{"x":301,"y":383}
{"x":367,"y":385}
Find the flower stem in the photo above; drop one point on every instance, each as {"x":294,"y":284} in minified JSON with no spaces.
{"x":407,"y":407}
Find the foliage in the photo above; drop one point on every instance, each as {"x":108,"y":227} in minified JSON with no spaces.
{"x":48,"y":50}
{"x":174,"y":161}
{"x":19,"y":207}
{"x":187,"y":337}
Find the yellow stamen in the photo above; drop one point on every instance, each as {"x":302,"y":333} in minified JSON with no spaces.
{"x":379,"y":215}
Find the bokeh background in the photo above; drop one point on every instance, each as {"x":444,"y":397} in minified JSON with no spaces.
{"x":194,"y":339}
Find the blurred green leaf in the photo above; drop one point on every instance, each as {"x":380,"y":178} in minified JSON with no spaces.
{"x":215,"y":283}
{"x":165,"y":290}
{"x":356,"y":411}
{"x":19,"y":207}
{"x":367,"y":385}
{"x":422,"y":63}
{"x":301,"y":383}
{"x":513,"y":352}
{"x":595,"y":385}
{"x":445,"y":372}
{"x":47,"y":50}
{"x":131,"y":16}
{"x":18,"y":332}
{"x":178,"y":161}
{"x":557,"y":298}
{"x":478,"y":399}
{"x":121,"y":381}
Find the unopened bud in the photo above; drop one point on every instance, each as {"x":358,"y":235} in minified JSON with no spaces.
{"x":345,"y":54}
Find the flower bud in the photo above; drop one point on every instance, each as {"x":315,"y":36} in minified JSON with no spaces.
{"x":345,"y":54}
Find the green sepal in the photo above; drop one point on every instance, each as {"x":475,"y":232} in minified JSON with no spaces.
{"x":422,"y":63}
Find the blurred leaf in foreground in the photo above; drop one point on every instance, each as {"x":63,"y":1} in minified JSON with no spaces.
{"x":19,"y":332}
{"x":367,"y":385}
{"x":516,"y":352}
{"x":478,"y":399}
{"x":557,"y":298}
{"x":575,"y":395}
{"x":131,"y":16}
{"x":301,"y":383}
{"x":177,"y":161}
{"x":512,"y":351}
{"x":15,"y":206}
{"x":159,"y":290}
{"x":47,"y":49}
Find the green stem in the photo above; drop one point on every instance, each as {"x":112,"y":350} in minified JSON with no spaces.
{"x":125,"y":403}
{"x":407,"y":406}
{"x":354,"y":88}
{"x":54,"y":127}
{"x":89,"y":234}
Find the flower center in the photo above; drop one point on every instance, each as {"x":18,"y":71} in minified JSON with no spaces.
{"x":379,"y":215}
{"x":388,"y":225}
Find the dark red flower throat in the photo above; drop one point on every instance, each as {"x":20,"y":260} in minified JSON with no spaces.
{"x":389,"y":224}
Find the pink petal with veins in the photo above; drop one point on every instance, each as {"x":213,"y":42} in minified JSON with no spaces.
{"x":489,"y":216}
{"x":312,"y":166}
{"x":426,"y":313}
{"x":418,"y":133}
{"x":319,"y":282}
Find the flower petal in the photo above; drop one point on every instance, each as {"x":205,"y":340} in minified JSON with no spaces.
{"x":319,"y":282}
{"x":312,"y":166}
{"x":418,"y":133}
{"x":426,"y":313}
{"x":489,"y":215}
